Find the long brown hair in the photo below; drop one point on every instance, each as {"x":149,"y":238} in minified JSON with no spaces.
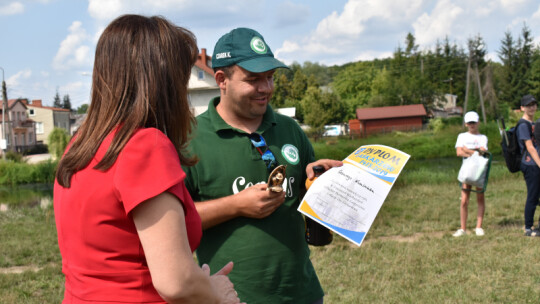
{"x":141,"y":72}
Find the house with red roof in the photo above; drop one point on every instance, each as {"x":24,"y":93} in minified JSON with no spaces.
{"x":47,"y":118}
{"x":19,"y":128}
{"x":202,"y":86}
{"x":387,"y":119}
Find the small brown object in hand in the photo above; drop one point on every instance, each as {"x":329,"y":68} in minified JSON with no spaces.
{"x":276,"y":179}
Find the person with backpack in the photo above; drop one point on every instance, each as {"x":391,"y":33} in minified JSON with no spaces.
{"x":530,"y":161}
{"x":466,"y":145}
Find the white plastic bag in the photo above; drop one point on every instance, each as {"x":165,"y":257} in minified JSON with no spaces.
{"x":473,"y":170}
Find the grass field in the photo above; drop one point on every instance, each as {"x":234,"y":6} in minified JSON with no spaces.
{"x":409,"y":255}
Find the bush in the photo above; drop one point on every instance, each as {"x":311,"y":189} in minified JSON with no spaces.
{"x":37,"y":149}
{"x":12,"y":173}
{"x":14,"y":157}
{"x":436,"y":124}
{"x":58,"y":141}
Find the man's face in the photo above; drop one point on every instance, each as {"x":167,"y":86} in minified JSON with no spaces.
{"x":247,"y":94}
{"x":472,"y":126}
{"x":530,"y":109}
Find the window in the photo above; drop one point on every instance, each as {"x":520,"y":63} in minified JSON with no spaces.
{"x":200,"y":75}
{"x":39,"y":128}
{"x":31,"y":112}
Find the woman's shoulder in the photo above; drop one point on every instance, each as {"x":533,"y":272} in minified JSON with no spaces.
{"x":148,"y":136}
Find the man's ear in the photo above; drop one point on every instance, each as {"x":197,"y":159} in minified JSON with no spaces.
{"x":221,"y":79}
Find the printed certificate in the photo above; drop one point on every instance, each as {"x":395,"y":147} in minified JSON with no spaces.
{"x":347,"y":199}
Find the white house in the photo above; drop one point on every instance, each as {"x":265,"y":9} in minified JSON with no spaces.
{"x":47,"y":118}
{"x":20,"y":129}
{"x":202,"y":86}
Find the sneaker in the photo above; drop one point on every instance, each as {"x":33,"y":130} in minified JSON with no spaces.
{"x":532,"y":232}
{"x":479,"y":231}
{"x":459,"y":232}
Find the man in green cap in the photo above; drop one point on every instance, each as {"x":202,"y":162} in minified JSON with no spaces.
{"x":239,"y":140}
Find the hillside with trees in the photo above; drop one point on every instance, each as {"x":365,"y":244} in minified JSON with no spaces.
{"x":324,"y":95}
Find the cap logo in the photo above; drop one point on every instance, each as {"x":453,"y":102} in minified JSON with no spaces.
{"x":258,"y":45}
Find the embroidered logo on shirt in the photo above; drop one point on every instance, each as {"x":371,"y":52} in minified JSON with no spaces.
{"x":290,"y":153}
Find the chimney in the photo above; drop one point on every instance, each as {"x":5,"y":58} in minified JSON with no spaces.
{"x":203,"y":56}
{"x":36,"y":103}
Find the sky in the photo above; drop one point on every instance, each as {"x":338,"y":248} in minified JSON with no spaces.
{"x":48,"y":46}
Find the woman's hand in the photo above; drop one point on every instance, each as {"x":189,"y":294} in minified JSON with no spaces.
{"x":222,"y":285}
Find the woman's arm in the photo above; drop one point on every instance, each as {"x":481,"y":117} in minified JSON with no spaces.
{"x":162,"y":230}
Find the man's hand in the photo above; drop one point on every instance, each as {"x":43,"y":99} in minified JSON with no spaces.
{"x":256,"y":202}
{"x":326,"y":163}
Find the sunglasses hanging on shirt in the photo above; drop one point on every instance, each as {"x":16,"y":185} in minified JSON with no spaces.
{"x":267,"y":156}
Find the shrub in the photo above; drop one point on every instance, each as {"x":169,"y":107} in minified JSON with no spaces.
{"x":14,"y":156}
{"x":38,"y":149}
{"x":58,"y":141}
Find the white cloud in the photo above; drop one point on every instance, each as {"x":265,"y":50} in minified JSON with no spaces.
{"x":21,"y":75}
{"x":370,"y":55}
{"x":105,"y":9}
{"x":343,"y":33}
{"x":12,"y":8}
{"x":512,"y":5}
{"x":536,"y":15}
{"x":73,"y":52}
{"x":72,"y":86}
{"x":440,"y":23}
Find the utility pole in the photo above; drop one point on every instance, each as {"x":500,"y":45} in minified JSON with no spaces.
{"x":480,"y":92}
{"x":4,"y":106}
{"x":467,"y":86}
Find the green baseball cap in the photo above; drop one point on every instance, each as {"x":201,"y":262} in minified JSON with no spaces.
{"x":246,"y":48}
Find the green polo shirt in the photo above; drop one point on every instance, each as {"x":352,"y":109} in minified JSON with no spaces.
{"x":270,"y":255}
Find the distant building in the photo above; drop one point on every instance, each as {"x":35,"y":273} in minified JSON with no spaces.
{"x":76,"y":121}
{"x":202,"y":86}
{"x":47,"y":118}
{"x":446,"y":107}
{"x":20,"y":129}
{"x":387,"y":119}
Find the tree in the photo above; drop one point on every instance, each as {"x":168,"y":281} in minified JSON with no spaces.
{"x":353,"y":85}
{"x":58,"y":141}
{"x":322,"y":108}
{"x":523,"y":62}
{"x":508,"y":56}
{"x":299,"y":85}
{"x":282,"y":88}
{"x":534,"y":75}
{"x":82,"y":109}
{"x":412,"y":47}
{"x":57,"y":102}
{"x":67,"y":102}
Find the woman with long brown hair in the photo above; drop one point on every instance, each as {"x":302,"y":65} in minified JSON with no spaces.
{"x":126,"y":224}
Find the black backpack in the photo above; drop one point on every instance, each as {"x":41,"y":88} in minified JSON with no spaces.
{"x":510,"y":146}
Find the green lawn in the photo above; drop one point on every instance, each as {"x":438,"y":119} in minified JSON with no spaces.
{"x":409,"y":255}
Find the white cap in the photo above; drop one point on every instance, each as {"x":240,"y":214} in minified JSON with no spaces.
{"x":471,"y":116}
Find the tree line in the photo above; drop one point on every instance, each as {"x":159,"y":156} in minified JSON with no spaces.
{"x":65,"y":103}
{"x":324,"y":95}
